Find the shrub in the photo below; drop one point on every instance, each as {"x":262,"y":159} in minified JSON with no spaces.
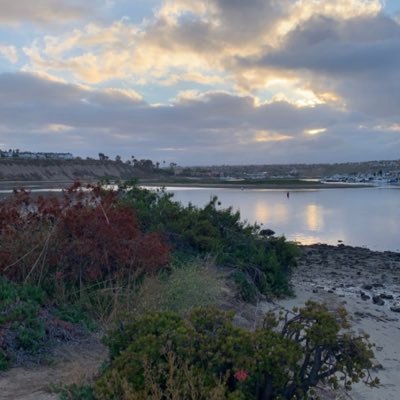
{"x":84,"y":237}
{"x":75,"y":392}
{"x":162,"y":356}
{"x":190,"y":284}
{"x":21,"y":326}
{"x":262,"y":262}
{"x":29,"y":323}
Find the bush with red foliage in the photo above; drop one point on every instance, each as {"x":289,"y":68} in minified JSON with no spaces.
{"x":83,"y":236}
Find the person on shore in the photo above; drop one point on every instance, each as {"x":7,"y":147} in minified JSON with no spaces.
{"x":287,"y":194}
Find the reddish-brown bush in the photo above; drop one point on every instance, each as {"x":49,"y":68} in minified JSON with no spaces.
{"x":83,"y":236}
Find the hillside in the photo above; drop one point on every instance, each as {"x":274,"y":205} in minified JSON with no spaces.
{"x":66,"y":170}
{"x":299,"y":170}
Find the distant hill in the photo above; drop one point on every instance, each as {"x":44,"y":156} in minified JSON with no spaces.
{"x":67,"y":170}
{"x":298,"y":170}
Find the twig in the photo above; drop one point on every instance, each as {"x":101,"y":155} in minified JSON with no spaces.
{"x":104,"y":212}
{"x":45,"y":246}
{"x":21,"y":258}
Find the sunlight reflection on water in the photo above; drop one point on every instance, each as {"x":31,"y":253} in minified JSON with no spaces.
{"x":360,"y":217}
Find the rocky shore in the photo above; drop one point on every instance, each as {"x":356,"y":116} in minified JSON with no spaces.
{"x":367,"y":283}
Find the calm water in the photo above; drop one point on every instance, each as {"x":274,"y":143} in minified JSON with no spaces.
{"x":359,"y":217}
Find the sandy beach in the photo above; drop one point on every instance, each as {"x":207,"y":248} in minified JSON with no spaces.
{"x":354,"y":277}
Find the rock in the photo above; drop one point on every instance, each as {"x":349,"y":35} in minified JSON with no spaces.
{"x":395,"y":309}
{"x":365,"y":296}
{"x":377,"y":367}
{"x":386,"y":296}
{"x":378,"y":300}
{"x":367,"y":287}
{"x":359,"y":314}
{"x":377,"y":285}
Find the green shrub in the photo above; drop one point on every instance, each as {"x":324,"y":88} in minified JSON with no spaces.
{"x":20,"y":308}
{"x":29,"y":322}
{"x":75,"y":314}
{"x":263,"y":262}
{"x":188,"y":285}
{"x":30,"y":334}
{"x":4,"y":361}
{"x":76,"y":392}
{"x":162,"y":356}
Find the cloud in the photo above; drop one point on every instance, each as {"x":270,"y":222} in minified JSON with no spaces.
{"x":39,"y":114}
{"x":205,"y":42}
{"x":357,"y":59}
{"x":228,"y":80}
{"x":9,"y":53}
{"x":53,"y":12}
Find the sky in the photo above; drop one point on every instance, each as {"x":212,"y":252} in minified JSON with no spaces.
{"x":201,"y":82}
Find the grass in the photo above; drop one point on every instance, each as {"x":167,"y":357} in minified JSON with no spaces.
{"x":188,"y":285}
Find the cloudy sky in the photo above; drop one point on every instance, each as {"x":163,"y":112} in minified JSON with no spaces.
{"x":202,"y":81}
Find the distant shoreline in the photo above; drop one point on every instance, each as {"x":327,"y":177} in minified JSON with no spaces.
{"x":282,"y":186}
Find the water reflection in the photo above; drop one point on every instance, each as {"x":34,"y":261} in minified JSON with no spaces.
{"x":261,"y":211}
{"x":281,"y":213}
{"x":314,"y":217}
{"x":360,"y":217}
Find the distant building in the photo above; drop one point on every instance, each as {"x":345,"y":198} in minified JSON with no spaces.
{"x":28,"y":155}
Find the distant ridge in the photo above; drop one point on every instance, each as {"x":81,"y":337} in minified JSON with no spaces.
{"x":66,"y":170}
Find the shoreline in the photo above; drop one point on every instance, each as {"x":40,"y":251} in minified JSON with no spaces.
{"x":367,"y":284}
{"x":278,"y":186}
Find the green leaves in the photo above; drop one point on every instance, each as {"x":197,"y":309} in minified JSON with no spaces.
{"x":262,"y":264}
{"x":284,"y":359}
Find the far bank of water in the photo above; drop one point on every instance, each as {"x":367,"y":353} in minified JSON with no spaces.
{"x":367,"y":217}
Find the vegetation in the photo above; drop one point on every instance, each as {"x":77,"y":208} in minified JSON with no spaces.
{"x":261,"y":265}
{"x":163,"y":356}
{"x":30,"y":322}
{"x":189,"y":284}
{"x":82,"y":238}
{"x":60,"y":258}
{"x":143,"y":264}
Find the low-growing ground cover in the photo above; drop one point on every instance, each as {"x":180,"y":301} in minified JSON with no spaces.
{"x":30,"y":324}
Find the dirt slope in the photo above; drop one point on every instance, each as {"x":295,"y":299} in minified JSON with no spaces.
{"x":68,"y":170}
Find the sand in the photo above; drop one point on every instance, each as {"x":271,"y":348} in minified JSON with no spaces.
{"x":70,"y":363}
{"x":338,"y":276}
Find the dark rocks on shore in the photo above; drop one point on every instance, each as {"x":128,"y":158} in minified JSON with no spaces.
{"x":367,"y":287}
{"x":386,"y":296}
{"x":395,"y":309}
{"x":378,"y":300}
{"x":365,"y":297}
